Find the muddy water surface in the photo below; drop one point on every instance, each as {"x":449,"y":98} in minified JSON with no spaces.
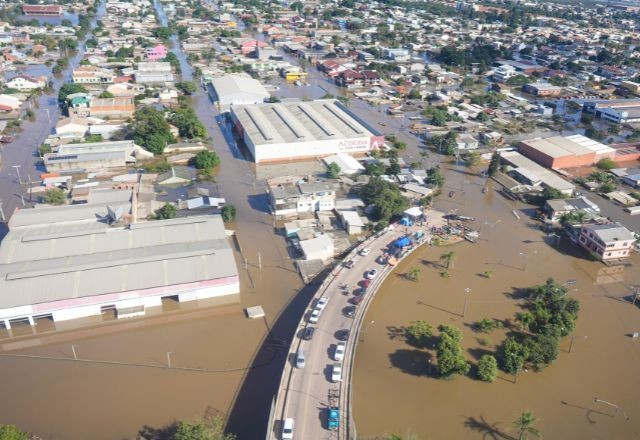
{"x":394,"y":391}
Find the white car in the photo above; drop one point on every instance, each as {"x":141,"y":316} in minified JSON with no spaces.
{"x":338,"y":354}
{"x":315,"y":315}
{"x":287,"y":429}
{"x":365,"y":252}
{"x":371,"y":274}
{"x":322,"y":303}
{"x":336,"y":373}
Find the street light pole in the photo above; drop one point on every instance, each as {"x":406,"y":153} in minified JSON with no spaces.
{"x":168,"y":359}
{"x":526,"y":259}
{"x":17,"y":167}
{"x":467,"y":291}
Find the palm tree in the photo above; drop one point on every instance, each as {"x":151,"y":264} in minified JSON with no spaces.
{"x":524,"y":424}
{"x":448,"y":258}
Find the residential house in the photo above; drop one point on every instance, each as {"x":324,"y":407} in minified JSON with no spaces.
{"x":608,"y":242}
{"x":556,"y":208}
{"x":27,"y":83}
{"x":157,"y":72}
{"x":156,"y":53}
{"x":114,"y":108}
{"x":290,"y":198}
{"x":92,"y":75}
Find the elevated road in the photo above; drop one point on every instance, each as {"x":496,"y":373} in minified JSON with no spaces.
{"x":306,"y":393}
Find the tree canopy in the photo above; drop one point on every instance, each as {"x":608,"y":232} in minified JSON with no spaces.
{"x":151,"y":130}
{"x":385,"y":197}
{"x":206,"y":159}
{"x":69,"y":89}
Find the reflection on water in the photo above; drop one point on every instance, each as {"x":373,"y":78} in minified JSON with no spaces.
{"x":55,"y":21}
{"x":602,"y":361}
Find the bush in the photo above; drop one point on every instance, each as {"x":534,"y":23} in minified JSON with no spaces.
{"x":166,"y":212}
{"x":333,"y":170}
{"x":228,"y":213}
{"x":487,"y":368}
{"x":54,"y":196}
{"x":606,"y":164}
{"x":206,"y":160}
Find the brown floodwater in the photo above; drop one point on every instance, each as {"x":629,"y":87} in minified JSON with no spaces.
{"x":393,"y":391}
{"x":63,"y":399}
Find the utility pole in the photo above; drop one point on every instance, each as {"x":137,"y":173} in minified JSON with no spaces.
{"x":17,"y":167}
{"x":168,"y":359}
{"x":30,"y":188}
{"x":260,"y":261}
{"x":526,"y":259}
{"x":4,"y":219}
{"x":73,"y":349}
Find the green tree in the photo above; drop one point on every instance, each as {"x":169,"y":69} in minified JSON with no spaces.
{"x":435,"y":177}
{"x":54,"y":196}
{"x":164,"y":33}
{"x":494,"y":164}
{"x":413,"y":274}
{"x":418,"y":333}
{"x":524,"y":425}
{"x":106,"y":94}
{"x":606,"y":164}
{"x":188,"y":124}
{"x":385,"y":198}
{"x":487,"y":368}
{"x":211,"y":429}
{"x":186,"y":87}
{"x":449,"y":353}
{"x":552,"y":194}
{"x":166,"y":212}
{"x":333,"y":170}
{"x":374,"y":168}
{"x":448,"y":258}
{"x":69,"y":89}
{"x":228,"y":213}
{"x":394,"y":167}
{"x":525,"y":320}
{"x":471,"y":159}
{"x":513,"y":356}
{"x":206,"y":159}
{"x":606,"y":188}
{"x":12,"y":432}
{"x":151,"y":130}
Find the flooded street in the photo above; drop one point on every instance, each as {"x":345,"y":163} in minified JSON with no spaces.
{"x":602,"y":361}
{"x":80,"y":400}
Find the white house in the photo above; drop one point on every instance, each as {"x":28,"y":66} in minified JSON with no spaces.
{"x":27,"y":83}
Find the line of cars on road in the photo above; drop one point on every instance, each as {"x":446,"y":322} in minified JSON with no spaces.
{"x":339,"y":348}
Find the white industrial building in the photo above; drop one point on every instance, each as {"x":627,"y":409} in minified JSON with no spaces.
{"x":68,"y":262}
{"x":237,"y":90}
{"x":302,"y":130}
{"x":94,"y":156}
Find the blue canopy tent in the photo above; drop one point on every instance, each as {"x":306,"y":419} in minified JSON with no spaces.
{"x":402,"y":242}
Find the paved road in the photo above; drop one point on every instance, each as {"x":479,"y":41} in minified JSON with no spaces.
{"x":304,"y":393}
{"x":23,"y":151}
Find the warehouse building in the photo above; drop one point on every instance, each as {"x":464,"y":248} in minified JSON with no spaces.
{"x":534,"y":175}
{"x":231,"y":90}
{"x":67,"y":262}
{"x":616,"y":111}
{"x":302,"y":130}
{"x":560,"y":152}
{"x":94,"y":156}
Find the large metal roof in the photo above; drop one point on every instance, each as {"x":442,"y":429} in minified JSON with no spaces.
{"x":55,"y":261}
{"x":299,"y":121}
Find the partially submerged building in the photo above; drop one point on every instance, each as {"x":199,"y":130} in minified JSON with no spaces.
{"x":67,"y":262}
{"x":302,"y":130}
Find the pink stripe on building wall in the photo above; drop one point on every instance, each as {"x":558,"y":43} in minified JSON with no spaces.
{"x":119,"y":296}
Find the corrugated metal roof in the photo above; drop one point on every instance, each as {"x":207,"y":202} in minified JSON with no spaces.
{"x":52,"y":262}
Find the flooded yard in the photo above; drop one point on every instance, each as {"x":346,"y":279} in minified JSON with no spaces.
{"x":599,"y":362}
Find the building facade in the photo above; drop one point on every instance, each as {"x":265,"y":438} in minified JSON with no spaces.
{"x":608,"y":242}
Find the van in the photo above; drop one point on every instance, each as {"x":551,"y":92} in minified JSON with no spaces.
{"x":300,"y":358}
